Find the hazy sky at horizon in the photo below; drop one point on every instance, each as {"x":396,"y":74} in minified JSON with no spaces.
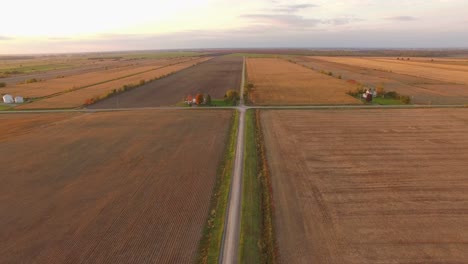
{"x":49,"y":26}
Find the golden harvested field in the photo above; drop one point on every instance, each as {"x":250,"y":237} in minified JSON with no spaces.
{"x":369,"y":186}
{"x":57,"y":85}
{"x":279,"y":82}
{"x":454,"y":74}
{"x":421,"y":90}
{"x":115,"y":187}
{"x":77,"y":98}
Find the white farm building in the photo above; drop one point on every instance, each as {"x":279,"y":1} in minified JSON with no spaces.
{"x":8,"y":99}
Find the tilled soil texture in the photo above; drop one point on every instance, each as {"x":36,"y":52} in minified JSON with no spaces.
{"x":426,"y":82}
{"x":369,"y":186}
{"x":87,"y":79}
{"x":78,"y":98}
{"x":213,"y":77}
{"x":115,"y":187}
{"x":279,"y":82}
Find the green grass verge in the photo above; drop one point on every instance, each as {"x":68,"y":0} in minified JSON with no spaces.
{"x":4,"y":107}
{"x":385,"y":101}
{"x":251,"y":219}
{"x":210,"y":244}
{"x":257,"y":240}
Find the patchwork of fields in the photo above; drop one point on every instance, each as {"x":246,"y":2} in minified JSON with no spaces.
{"x":426,"y":81}
{"x":279,"y":82}
{"x":369,"y":186}
{"x":112,"y":184}
{"x":120,"y":187}
{"x":214,"y":77}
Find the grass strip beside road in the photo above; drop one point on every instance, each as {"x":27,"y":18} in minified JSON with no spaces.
{"x":250,"y":237}
{"x":257,"y":240}
{"x":211,"y":242}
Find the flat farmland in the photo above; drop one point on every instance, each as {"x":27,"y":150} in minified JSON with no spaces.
{"x":427,"y":82}
{"x":114,"y":187}
{"x":57,"y":85}
{"x":369,"y":186}
{"x":279,"y":82}
{"x":422,"y":90}
{"x":77,"y":98}
{"x":214,"y":77}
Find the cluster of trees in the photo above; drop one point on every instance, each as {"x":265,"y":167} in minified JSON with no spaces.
{"x":231,"y":97}
{"x":380,"y":91}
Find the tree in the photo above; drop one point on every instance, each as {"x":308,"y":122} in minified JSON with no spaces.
{"x":231,"y":96}
{"x":380,"y":89}
{"x":208,"y":99}
{"x":199,"y":99}
{"x":2,"y":84}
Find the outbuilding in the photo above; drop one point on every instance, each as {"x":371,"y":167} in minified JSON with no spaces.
{"x":8,"y":99}
{"x":19,"y":100}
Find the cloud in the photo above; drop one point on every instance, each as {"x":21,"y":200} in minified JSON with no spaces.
{"x":402,"y":18}
{"x":282,"y":20}
{"x":292,"y":8}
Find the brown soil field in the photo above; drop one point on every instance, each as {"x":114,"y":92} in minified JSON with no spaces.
{"x":77,"y":98}
{"x":214,"y":77}
{"x":369,"y":186}
{"x":75,"y":66}
{"x":457,"y":74}
{"x":422,"y":90}
{"x":115,"y":187}
{"x":279,"y":82}
{"x":57,"y":85}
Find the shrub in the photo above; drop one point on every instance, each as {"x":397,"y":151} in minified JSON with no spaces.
{"x":392,"y":95}
{"x":2,"y":84}
{"x":330,"y":73}
{"x":89,"y":101}
{"x":208,"y":99}
{"x":142,"y":82}
{"x":405,"y":99}
{"x":33,"y":80}
{"x":340,"y":77}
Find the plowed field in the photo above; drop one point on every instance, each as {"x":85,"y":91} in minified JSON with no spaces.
{"x":214,"y":77}
{"x":375,"y":186}
{"x":77,"y":98}
{"x":426,"y":82}
{"x":116,"y":187}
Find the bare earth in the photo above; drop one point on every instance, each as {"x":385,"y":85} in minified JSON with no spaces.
{"x":369,"y":186}
{"x":214,"y":77}
{"x":279,"y":82}
{"x":120,"y":187}
{"x":427,"y":82}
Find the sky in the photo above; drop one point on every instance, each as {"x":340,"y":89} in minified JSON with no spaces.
{"x":58,"y":26}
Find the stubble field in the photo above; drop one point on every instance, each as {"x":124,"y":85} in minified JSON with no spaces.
{"x":427,"y":81}
{"x":115,"y":187}
{"x":369,"y":186}
{"x":279,"y":82}
{"x":213,"y":77}
{"x":77,"y":98}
